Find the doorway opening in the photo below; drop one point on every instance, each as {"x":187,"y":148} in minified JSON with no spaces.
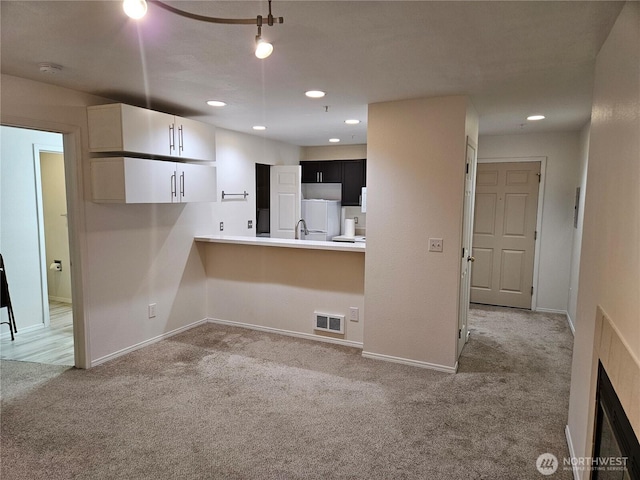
{"x":35,"y":247}
{"x":263,"y":193}
{"x":506,"y":225}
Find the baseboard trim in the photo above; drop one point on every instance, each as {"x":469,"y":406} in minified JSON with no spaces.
{"x":571,"y":325}
{"x":561,"y":312}
{"x":146,"y":343}
{"x":572,"y":455}
{"x":60,"y":299}
{"x":413,"y":363}
{"x":30,"y":328}
{"x":288,"y":333}
{"x":551,"y":310}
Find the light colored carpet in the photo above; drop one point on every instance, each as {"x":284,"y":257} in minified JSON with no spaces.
{"x":226,"y":403}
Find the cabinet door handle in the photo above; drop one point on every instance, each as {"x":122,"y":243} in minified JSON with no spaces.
{"x":172,"y":138}
{"x":321,"y":177}
{"x":181,"y":138}
{"x":173,"y":185}
{"x":182,"y":184}
{"x":317,"y":177}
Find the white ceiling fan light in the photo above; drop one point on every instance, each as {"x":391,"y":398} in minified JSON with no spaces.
{"x":135,"y":9}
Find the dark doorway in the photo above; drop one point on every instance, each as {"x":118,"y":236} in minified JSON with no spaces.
{"x":263,"y":191}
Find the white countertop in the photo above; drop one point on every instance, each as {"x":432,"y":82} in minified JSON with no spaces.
{"x":283,"y":242}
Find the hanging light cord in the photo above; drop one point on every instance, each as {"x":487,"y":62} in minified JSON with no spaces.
{"x":229,"y":21}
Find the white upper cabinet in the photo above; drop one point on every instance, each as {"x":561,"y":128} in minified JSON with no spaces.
{"x":137,"y":180}
{"x":127,"y":129}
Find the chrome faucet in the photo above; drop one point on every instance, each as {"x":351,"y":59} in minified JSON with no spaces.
{"x":304,"y":225}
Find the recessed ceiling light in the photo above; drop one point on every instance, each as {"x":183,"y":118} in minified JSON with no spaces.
{"x":352,"y":121}
{"x":315,"y":94}
{"x":259,"y":127}
{"x":535,"y":117}
{"x":334,"y":140}
{"x":216,"y":103}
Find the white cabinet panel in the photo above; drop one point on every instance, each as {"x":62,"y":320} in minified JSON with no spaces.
{"x":195,"y":140}
{"x":124,"y":128}
{"x":149,"y":181}
{"x":196,"y":183}
{"x":136,"y":180}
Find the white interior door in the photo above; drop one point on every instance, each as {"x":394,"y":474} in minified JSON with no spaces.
{"x":286,"y":195}
{"x":505,"y":233}
{"x":466,"y":261}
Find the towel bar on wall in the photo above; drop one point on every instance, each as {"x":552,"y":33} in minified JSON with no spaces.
{"x":244,"y":194}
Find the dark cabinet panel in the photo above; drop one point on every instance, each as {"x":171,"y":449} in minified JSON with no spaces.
{"x":352,"y":174}
{"x":353,"y":179}
{"x":321,"y":172}
{"x":310,"y":172}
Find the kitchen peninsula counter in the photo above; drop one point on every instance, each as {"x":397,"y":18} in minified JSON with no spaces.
{"x":279,"y":285}
{"x":283,"y":242}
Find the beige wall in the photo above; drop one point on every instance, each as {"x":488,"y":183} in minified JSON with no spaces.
{"x":280,"y":288}
{"x":561,"y":178}
{"x":334,"y":152}
{"x":133,"y":255}
{"x":576,"y":249}
{"x":54,"y":210}
{"x":610,"y":263}
{"x":415,"y":189}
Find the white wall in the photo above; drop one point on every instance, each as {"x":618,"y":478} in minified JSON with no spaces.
{"x":610,"y":260}
{"x":236,"y":155}
{"x":54,"y":210}
{"x":556,"y":238}
{"x":134,"y":255}
{"x":19,"y":232}
{"x":415,"y":190}
{"x":572,"y":302}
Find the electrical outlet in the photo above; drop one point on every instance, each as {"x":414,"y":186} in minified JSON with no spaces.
{"x":435,"y":245}
{"x":354,"y":314}
{"x":152,"y":310}
{"x":221,"y":226}
{"x":250,"y":224}
{"x":355,"y":220}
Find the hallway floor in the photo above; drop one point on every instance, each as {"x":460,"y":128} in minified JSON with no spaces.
{"x":52,"y":345}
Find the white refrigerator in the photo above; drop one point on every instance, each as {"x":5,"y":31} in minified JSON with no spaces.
{"x":322,"y":218}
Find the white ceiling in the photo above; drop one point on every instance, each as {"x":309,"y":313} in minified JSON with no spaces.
{"x":513,"y":58}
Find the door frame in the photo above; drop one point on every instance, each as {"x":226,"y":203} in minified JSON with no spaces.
{"x":468,"y":219}
{"x":72,"y":148}
{"x":538,"y":242}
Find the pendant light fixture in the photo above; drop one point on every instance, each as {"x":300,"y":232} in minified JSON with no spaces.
{"x":138,"y":8}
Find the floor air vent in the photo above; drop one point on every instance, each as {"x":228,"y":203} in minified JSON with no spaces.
{"x":328,"y":323}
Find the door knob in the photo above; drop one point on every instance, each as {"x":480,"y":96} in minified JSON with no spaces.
{"x":471,"y":259}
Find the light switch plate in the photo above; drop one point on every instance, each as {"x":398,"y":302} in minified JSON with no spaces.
{"x":435,"y":245}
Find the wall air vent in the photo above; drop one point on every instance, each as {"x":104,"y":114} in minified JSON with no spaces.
{"x":327,"y":322}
